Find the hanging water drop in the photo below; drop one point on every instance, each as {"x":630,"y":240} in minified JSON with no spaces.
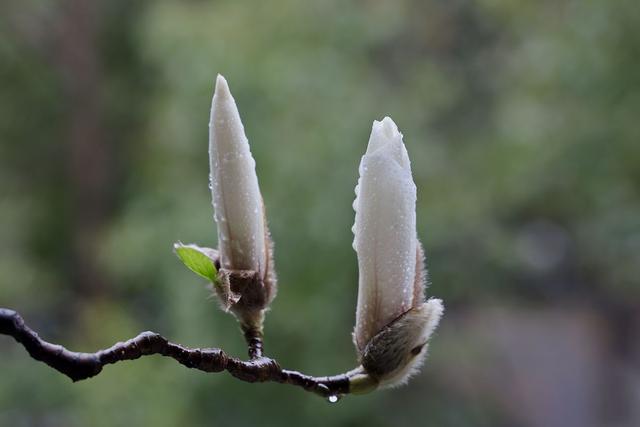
{"x":333,"y":398}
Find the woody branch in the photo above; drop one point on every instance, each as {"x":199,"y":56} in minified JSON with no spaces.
{"x":80,"y":366}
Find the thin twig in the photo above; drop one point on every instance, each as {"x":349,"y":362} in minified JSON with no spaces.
{"x":80,"y":366}
{"x":253,"y":337}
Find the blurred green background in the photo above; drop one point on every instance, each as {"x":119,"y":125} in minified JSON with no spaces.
{"x":522,"y":123}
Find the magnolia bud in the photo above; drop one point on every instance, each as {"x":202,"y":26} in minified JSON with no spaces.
{"x":247,"y":283}
{"x":393,"y":320}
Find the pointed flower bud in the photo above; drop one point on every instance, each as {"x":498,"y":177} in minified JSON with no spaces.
{"x":393,"y":319}
{"x":234,"y":186}
{"x":244,"y":245}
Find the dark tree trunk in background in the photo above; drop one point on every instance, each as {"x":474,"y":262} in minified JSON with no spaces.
{"x":77,"y":56}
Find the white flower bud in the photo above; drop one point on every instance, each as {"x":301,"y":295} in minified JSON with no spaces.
{"x":234,"y":186}
{"x":246,"y":280}
{"x":393,"y":321}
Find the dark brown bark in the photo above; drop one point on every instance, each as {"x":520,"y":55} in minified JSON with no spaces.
{"x":253,"y":337}
{"x":80,"y":366}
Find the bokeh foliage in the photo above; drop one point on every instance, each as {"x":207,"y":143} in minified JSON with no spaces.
{"x":521,"y":123}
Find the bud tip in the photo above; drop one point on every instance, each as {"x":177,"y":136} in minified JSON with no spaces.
{"x":222,"y":88}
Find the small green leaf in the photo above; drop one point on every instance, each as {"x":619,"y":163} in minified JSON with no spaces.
{"x":197,"y":259}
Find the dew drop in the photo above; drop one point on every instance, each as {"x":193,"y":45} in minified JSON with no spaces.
{"x":333,"y":398}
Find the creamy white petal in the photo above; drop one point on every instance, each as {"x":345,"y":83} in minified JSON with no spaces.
{"x":385,"y":135}
{"x":237,"y":201}
{"x":385,"y":232}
